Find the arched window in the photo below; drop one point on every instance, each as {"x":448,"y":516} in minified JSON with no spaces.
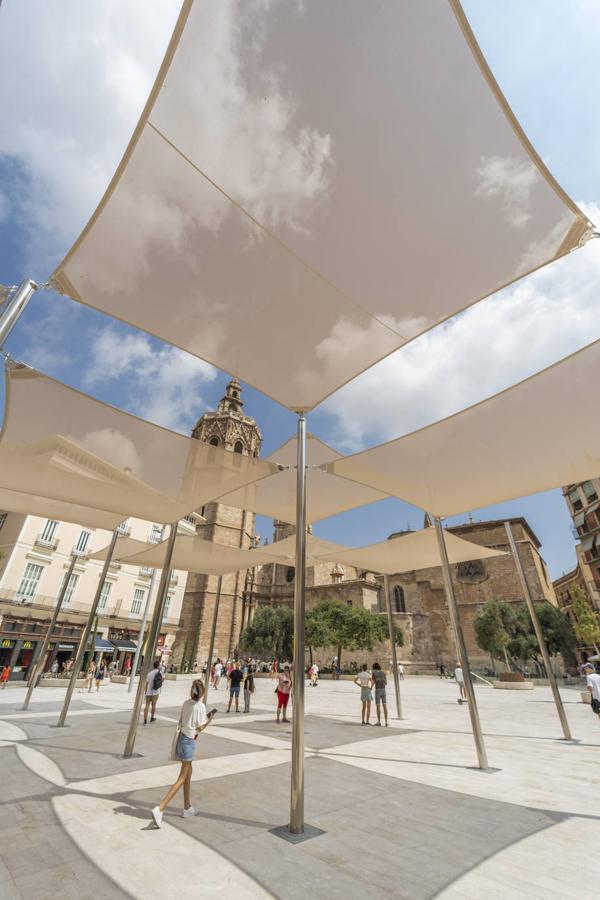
{"x":238,"y":447}
{"x":399,"y":601}
{"x":214,"y":442}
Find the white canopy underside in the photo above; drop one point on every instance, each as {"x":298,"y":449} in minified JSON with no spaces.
{"x":539,"y":434}
{"x":310,"y":186}
{"x":418,"y":550}
{"x":33,"y":505}
{"x":62,"y":445}
{"x":326,"y":494}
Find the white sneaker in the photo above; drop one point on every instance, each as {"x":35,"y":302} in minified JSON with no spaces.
{"x":157,"y":816}
{"x":189,"y":812}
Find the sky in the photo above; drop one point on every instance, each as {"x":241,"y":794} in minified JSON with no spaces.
{"x":73,"y":79}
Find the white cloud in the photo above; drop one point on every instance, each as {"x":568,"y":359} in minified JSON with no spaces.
{"x":163,"y":385}
{"x":72,"y":89}
{"x":510,"y":179}
{"x":487,"y":348}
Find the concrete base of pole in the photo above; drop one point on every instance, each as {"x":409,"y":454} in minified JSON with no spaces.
{"x":310,"y":832}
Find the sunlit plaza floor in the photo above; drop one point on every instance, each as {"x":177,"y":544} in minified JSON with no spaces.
{"x":403,"y":810}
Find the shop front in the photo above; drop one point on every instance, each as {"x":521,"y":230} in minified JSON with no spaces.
{"x":61,"y":654}
{"x":125,"y":649}
{"x":17,"y":653}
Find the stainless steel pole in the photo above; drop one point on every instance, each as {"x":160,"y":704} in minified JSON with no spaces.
{"x":213,"y":631}
{"x":461,"y":646}
{"x":297,"y":786}
{"x":138,"y":649}
{"x":11,"y":310}
{"x":39,"y":666}
{"x":155,"y":626}
{"x":86,"y":631}
{"x":386,"y":590}
{"x":538,"y":632}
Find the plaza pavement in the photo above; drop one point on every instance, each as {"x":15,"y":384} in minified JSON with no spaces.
{"x":403,"y":810}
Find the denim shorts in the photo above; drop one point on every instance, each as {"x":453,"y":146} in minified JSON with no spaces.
{"x":234,"y":691}
{"x":186,"y":748}
{"x":365,"y":694}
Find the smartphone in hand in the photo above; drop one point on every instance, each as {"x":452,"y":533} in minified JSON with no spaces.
{"x":212,"y":713}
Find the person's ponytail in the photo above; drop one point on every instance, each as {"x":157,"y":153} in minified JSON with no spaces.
{"x":197,"y":691}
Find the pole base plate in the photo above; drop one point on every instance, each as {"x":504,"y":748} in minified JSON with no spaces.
{"x":283,"y":831}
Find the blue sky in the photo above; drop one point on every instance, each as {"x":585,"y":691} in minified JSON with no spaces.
{"x":73,"y":85}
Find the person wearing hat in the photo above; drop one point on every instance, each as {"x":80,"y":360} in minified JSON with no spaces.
{"x":593,"y":685}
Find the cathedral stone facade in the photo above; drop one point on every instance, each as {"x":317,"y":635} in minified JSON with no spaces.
{"x":417,"y":597}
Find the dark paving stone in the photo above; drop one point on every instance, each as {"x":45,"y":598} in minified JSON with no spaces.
{"x":320,"y":733}
{"x":38,"y":707}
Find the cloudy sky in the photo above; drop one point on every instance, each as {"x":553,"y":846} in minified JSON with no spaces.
{"x":74,"y":77}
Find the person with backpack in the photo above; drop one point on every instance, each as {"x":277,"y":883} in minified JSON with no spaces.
{"x":154,"y":682}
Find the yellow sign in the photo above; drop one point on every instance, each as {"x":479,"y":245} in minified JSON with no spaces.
{"x":27,"y":645}
{"x":7,"y":643}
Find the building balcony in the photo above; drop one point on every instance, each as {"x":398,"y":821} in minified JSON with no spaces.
{"x":51,"y":544}
{"x":80,"y":554}
{"x":115,"y":566}
{"x":174,"y":578}
{"x":146,"y":572}
{"x":124,"y":530}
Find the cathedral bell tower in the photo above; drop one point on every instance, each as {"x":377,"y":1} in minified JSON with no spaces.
{"x":230,"y":428}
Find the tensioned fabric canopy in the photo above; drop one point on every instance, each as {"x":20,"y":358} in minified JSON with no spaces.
{"x":33,"y":505}
{"x":537,"y":435}
{"x":193,"y":554}
{"x":60,"y":444}
{"x":326,"y":494}
{"x":124,"y":546}
{"x":294,"y":224}
{"x":415,"y":550}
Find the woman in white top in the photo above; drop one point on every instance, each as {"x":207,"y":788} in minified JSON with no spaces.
{"x":192,"y":720}
{"x":364,"y":681}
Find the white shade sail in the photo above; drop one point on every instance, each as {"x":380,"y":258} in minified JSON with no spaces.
{"x":60,"y":444}
{"x":538,"y":434}
{"x":415,"y":550}
{"x":193,"y":554}
{"x":317,"y":550}
{"x":33,"y":505}
{"x":310,"y":186}
{"x":326,"y":494}
{"x":125,"y":546}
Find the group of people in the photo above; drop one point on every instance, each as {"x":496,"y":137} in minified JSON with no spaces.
{"x":367,"y":681}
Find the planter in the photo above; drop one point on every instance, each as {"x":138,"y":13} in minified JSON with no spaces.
{"x":60,"y":682}
{"x":511,"y":676}
{"x":121,"y":679}
{"x":513,"y":685}
{"x":586,"y":697}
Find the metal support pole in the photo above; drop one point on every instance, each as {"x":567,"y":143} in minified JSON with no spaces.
{"x":213,"y":631}
{"x":39,"y":666}
{"x":538,"y":632}
{"x":155,"y":626}
{"x":388,"y":605}
{"x":86,"y":631}
{"x":461,"y":646}
{"x":11,"y":311}
{"x":297,"y":786}
{"x":138,"y":649}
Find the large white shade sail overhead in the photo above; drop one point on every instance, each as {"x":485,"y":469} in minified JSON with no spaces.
{"x":310,"y":186}
{"x":60,"y":444}
{"x":537,"y":435}
{"x":193,"y":554}
{"x":34,"y":505}
{"x":326,"y":494}
{"x":317,"y":550}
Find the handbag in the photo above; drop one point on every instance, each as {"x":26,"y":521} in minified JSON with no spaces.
{"x":595,"y":706}
{"x":173,"y":754}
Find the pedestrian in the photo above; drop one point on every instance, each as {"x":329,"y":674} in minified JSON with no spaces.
{"x":274,"y":669}
{"x":314,"y":675}
{"x":442,"y":669}
{"x":99,"y":677}
{"x":235,"y":677}
{"x":460,"y":680}
{"x":218,"y":673}
{"x":90,"y":675}
{"x":154,"y":681}
{"x":248,"y":688}
{"x":400,"y":671}
{"x":380,"y":682}
{"x":6,"y":670}
{"x":54,"y":669}
{"x":284,"y":686}
{"x":592,"y":680}
{"x":127,"y":668}
{"x":192,"y":720}
{"x":364,"y":681}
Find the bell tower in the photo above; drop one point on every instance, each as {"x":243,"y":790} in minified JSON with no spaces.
{"x":230,"y":428}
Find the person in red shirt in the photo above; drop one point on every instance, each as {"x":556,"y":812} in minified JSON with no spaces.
{"x":5,"y":676}
{"x":284,"y":686}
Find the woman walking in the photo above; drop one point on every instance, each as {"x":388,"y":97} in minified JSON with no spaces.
{"x":248,"y":688}
{"x":100,"y":673}
{"x":364,"y":681}
{"x":284,"y":686}
{"x":380,"y":682}
{"x":192,"y":720}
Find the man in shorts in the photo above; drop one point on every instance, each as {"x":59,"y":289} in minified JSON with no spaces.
{"x":236,"y":676}
{"x":153,"y":686}
{"x":592,"y":680}
{"x":380,"y":682}
{"x":460,"y":680}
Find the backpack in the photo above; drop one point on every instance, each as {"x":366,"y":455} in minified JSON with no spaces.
{"x":158,"y":681}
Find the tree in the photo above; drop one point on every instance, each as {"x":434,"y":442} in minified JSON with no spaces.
{"x":494,"y":628}
{"x":270,"y":634}
{"x":346,"y":627}
{"x":586,"y":626}
{"x":557,"y":631}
